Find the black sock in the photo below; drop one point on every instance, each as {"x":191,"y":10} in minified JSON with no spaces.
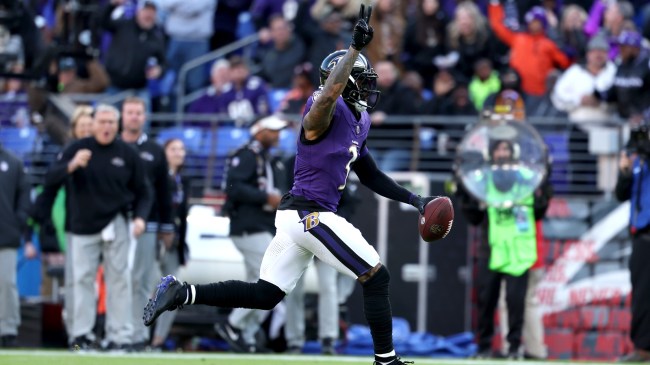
{"x":376,"y":306}
{"x":239,"y":294}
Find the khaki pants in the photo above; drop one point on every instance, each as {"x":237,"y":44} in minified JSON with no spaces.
{"x":85,"y":254}
{"x":144,"y":281}
{"x":9,"y":304}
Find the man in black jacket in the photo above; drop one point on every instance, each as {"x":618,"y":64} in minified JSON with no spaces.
{"x":631,"y":89}
{"x":14,"y":202}
{"x":107,"y":184}
{"x":137,"y":50}
{"x":253,"y":184}
{"x":159,"y":222}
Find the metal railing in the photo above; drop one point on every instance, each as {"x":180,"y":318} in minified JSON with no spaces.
{"x":428,"y":143}
{"x":181,"y":98}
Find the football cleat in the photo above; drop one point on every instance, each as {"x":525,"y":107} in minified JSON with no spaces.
{"x":170,"y":294}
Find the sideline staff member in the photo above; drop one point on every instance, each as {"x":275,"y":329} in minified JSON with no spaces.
{"x":106,"y":178}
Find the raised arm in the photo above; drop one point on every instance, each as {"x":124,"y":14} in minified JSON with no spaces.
{"x":319,"y":116}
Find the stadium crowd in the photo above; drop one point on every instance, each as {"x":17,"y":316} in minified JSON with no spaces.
{"x":584,"y":60}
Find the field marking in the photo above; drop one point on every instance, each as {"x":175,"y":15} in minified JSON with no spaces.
{"x":279,"y":357}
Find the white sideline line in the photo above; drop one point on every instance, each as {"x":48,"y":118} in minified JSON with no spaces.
{"x":284,"y":358}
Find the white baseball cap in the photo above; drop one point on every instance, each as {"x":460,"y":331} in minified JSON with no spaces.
{"x":271,"y":122}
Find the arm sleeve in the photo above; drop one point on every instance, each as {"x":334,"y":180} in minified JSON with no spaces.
{"x":141,"y":188}
{"x":564,"y":96}
{"x":496,"y":15}
{"x":240,"y":172}
{"x":58,"y":172}
{"x":107,"y":20}
{"x":559,"y":58}
{"x":163,"y":195}
{"x":375,"y":179}
{"x":623,"y":188}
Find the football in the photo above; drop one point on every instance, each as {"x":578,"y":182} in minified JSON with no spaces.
{"x":437,"y":220}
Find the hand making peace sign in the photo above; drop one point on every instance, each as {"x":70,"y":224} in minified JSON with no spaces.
{"x":363,"y":32}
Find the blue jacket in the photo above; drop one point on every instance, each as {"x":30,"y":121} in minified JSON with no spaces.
{"x":636,"y":187}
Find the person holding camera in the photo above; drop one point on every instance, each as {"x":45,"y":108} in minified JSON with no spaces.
{"x":509,"y":245}
{"x":633,"y":184}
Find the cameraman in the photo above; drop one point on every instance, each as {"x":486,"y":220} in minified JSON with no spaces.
{"x":634,"y":184}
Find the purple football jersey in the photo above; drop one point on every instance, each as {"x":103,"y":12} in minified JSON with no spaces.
{"x":246,"y":103}
{"x":323,"y":165}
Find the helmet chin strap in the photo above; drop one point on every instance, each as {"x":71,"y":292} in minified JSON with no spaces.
{"x":360,"y":106}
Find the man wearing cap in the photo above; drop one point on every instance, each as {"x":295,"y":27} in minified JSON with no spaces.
{"x":254,"y":182}
{"x":631,"y":90}
{"x":573,"y":92}
{"x":69,"y":82}
{"x":137,"y":50}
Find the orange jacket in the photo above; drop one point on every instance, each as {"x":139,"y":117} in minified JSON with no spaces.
{"x":533,"y":56}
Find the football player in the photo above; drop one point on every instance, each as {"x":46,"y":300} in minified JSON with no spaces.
{"x":332,"y":142}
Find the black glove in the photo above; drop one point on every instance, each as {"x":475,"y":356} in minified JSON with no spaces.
{"x":363,"y":32}
{"x":420,"y":202}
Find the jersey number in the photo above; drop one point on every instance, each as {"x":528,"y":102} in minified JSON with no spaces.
{"x":354,"y":154}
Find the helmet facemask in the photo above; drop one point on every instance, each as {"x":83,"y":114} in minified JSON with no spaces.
{"x":361,"y":90}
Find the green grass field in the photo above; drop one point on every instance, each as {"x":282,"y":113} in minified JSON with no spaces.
{"x":27,"y":357}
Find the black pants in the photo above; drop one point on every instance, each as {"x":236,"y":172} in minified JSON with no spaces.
{"x":640,"y":276}
{"x":489,"y":287}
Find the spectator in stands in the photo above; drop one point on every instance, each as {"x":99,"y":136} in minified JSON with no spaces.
{"x":159,"y":223}
{"x":286,"y":52}
{"x":574,"y":91}
{"x":484,"y":83}
{"x":504,"y":229}
{"x":424,"y":38}
{"x":389,"y":23}
{"x":631,"y":90}
{"x":226,"y":20}
{"x":347,"y":9}
{"x":613,"y":15}
{"x":11,"y":46}
{"x":444,"y":84}
{"x":329,"y":36}
{"x":245,"y":96}
{"x":210,"y":101}
{"x":13,"y":98}
{"x":461,"y":103}
{"x":470,"y":37}
{"x":572,"y":38}
{"x":294,"y":101}
{"x":263,"y":11}
{"x":413,"y":81}
{"x":533,"y":55}
{"x":70,"y":82}
{"x":395,"y":101}
{"x":633,"y":184}
{"x":254,"y":183}
{"x":13,"y":222}
{"x":543,"y":107}
{"x":189,"y":25}
{"x":107,"y":182}
{"x":175,"y":252}
{"x":137,"y":50}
